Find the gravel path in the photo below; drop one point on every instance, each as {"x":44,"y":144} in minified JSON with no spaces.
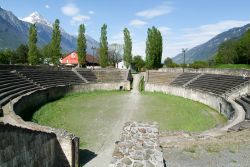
{"x":104,"y":153}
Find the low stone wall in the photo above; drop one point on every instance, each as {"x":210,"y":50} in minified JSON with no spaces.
{"x":25,"y":147}
{"x":22,"y":108}
{"x":101,"y":86}
{"x":26,"y":105}
{"x":226,"y":106}
{"x":139,"y":146}
{"x":239,"y":92}
{"x":238,"y":72}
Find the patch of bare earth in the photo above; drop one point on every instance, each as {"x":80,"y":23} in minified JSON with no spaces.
{"x":104,"y":153}
{"x":191,"y":149}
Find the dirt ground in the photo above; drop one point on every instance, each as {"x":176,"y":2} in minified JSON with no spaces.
{"x":104,"y":154}
{"x":183,"y":149}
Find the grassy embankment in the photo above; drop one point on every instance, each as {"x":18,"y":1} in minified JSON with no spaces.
{"x":233,"y":66}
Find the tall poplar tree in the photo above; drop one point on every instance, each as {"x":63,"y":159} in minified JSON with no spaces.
{"x":33,"y":56}
{"x":158,"y":48}
{"x":149,"y":49}
{"x":153,"y":48}
{"x":103,"y":50}
{"x":55,"y":43}
{"x":127,"y":49}
{"x":81,"y":46}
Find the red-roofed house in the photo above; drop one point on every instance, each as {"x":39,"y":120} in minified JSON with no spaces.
{"x":72,"y":59}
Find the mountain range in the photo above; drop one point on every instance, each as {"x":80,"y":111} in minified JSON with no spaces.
{"x":207,"y":50}
{"x":14,"y":31}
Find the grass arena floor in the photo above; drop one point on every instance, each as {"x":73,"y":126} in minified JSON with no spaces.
{"x":94,"y":116}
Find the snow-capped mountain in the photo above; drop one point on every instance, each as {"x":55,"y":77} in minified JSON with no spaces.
{"x":14,"y":31}
{"x":35,"y":17}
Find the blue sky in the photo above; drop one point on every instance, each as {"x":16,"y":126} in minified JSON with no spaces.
{"x":183,"y":23}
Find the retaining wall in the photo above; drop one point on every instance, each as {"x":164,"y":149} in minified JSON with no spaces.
{"x":25,"y":147}
{"x":22,"y":108}
{"x":26,"y":105}
{"x":237,"y":72}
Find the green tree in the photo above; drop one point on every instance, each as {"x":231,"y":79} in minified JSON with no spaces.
{"x":243,"y":49}
{"x":22,"y":54}
{"x":55,"y":47}
{"x":33,"y":56}
{"x":81,"y":46}
{"x":153,"y":48}
{"x":227,"y":53}
{"x":158,"y":46}
{"x":3,"y":58}
{"x":103,"y":50}
{"x":46,"y":53}
{"x":234,"y":51}
{"x":168,"y":62}
{"x":149,"y":50}
{"x":7,"y":56}
{"x":127,"y":49}
{"x":199,"y":64}
{"x":138,"y":63}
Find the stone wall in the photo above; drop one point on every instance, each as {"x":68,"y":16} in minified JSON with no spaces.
{"x":25,"y":106}
{"x":25,"y":147}
{"x":29,"y":103}
{"x":227,"y":107}
{"x":237,"y":72}
{"x":139,"y":146}
{"x":101,"y":86}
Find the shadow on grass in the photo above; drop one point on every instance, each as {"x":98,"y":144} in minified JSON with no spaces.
{"x":85,"y":156}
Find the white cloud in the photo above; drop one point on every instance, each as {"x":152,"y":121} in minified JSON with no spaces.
{"x":117,"y":38}
{"x":137,"y":22}
{"x":160,"y":10}
{"x":70,"y":9}
{"x":139,"y":48}
{"x":205,"y":32}
{"x":173,"y":42}
{"x":91,"y":12}
{"x":164,"y":30}
{"x":79,"y":19}
{"x":192,"y":37}
{"x":47,"y":6}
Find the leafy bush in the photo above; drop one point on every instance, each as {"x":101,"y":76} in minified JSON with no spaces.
{"x":142,"y":85}
{"x":168,"y":62}
{"x":138,"y":63}
{"x":199,"y":64}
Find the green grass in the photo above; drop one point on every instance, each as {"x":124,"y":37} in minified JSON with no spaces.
{"x":233,"y":66}
{"x":92,"y":115}
{"x":87,"y":115}
{"x":177,"y":113}
{"x":213,"y":148}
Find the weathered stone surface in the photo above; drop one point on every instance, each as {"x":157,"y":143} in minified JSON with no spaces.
{"x":138,"y":147}
{"x":137,"y":164}
{"x":126,"y":161}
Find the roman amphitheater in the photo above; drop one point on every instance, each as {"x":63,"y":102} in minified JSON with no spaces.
{"x":108,"y":117}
